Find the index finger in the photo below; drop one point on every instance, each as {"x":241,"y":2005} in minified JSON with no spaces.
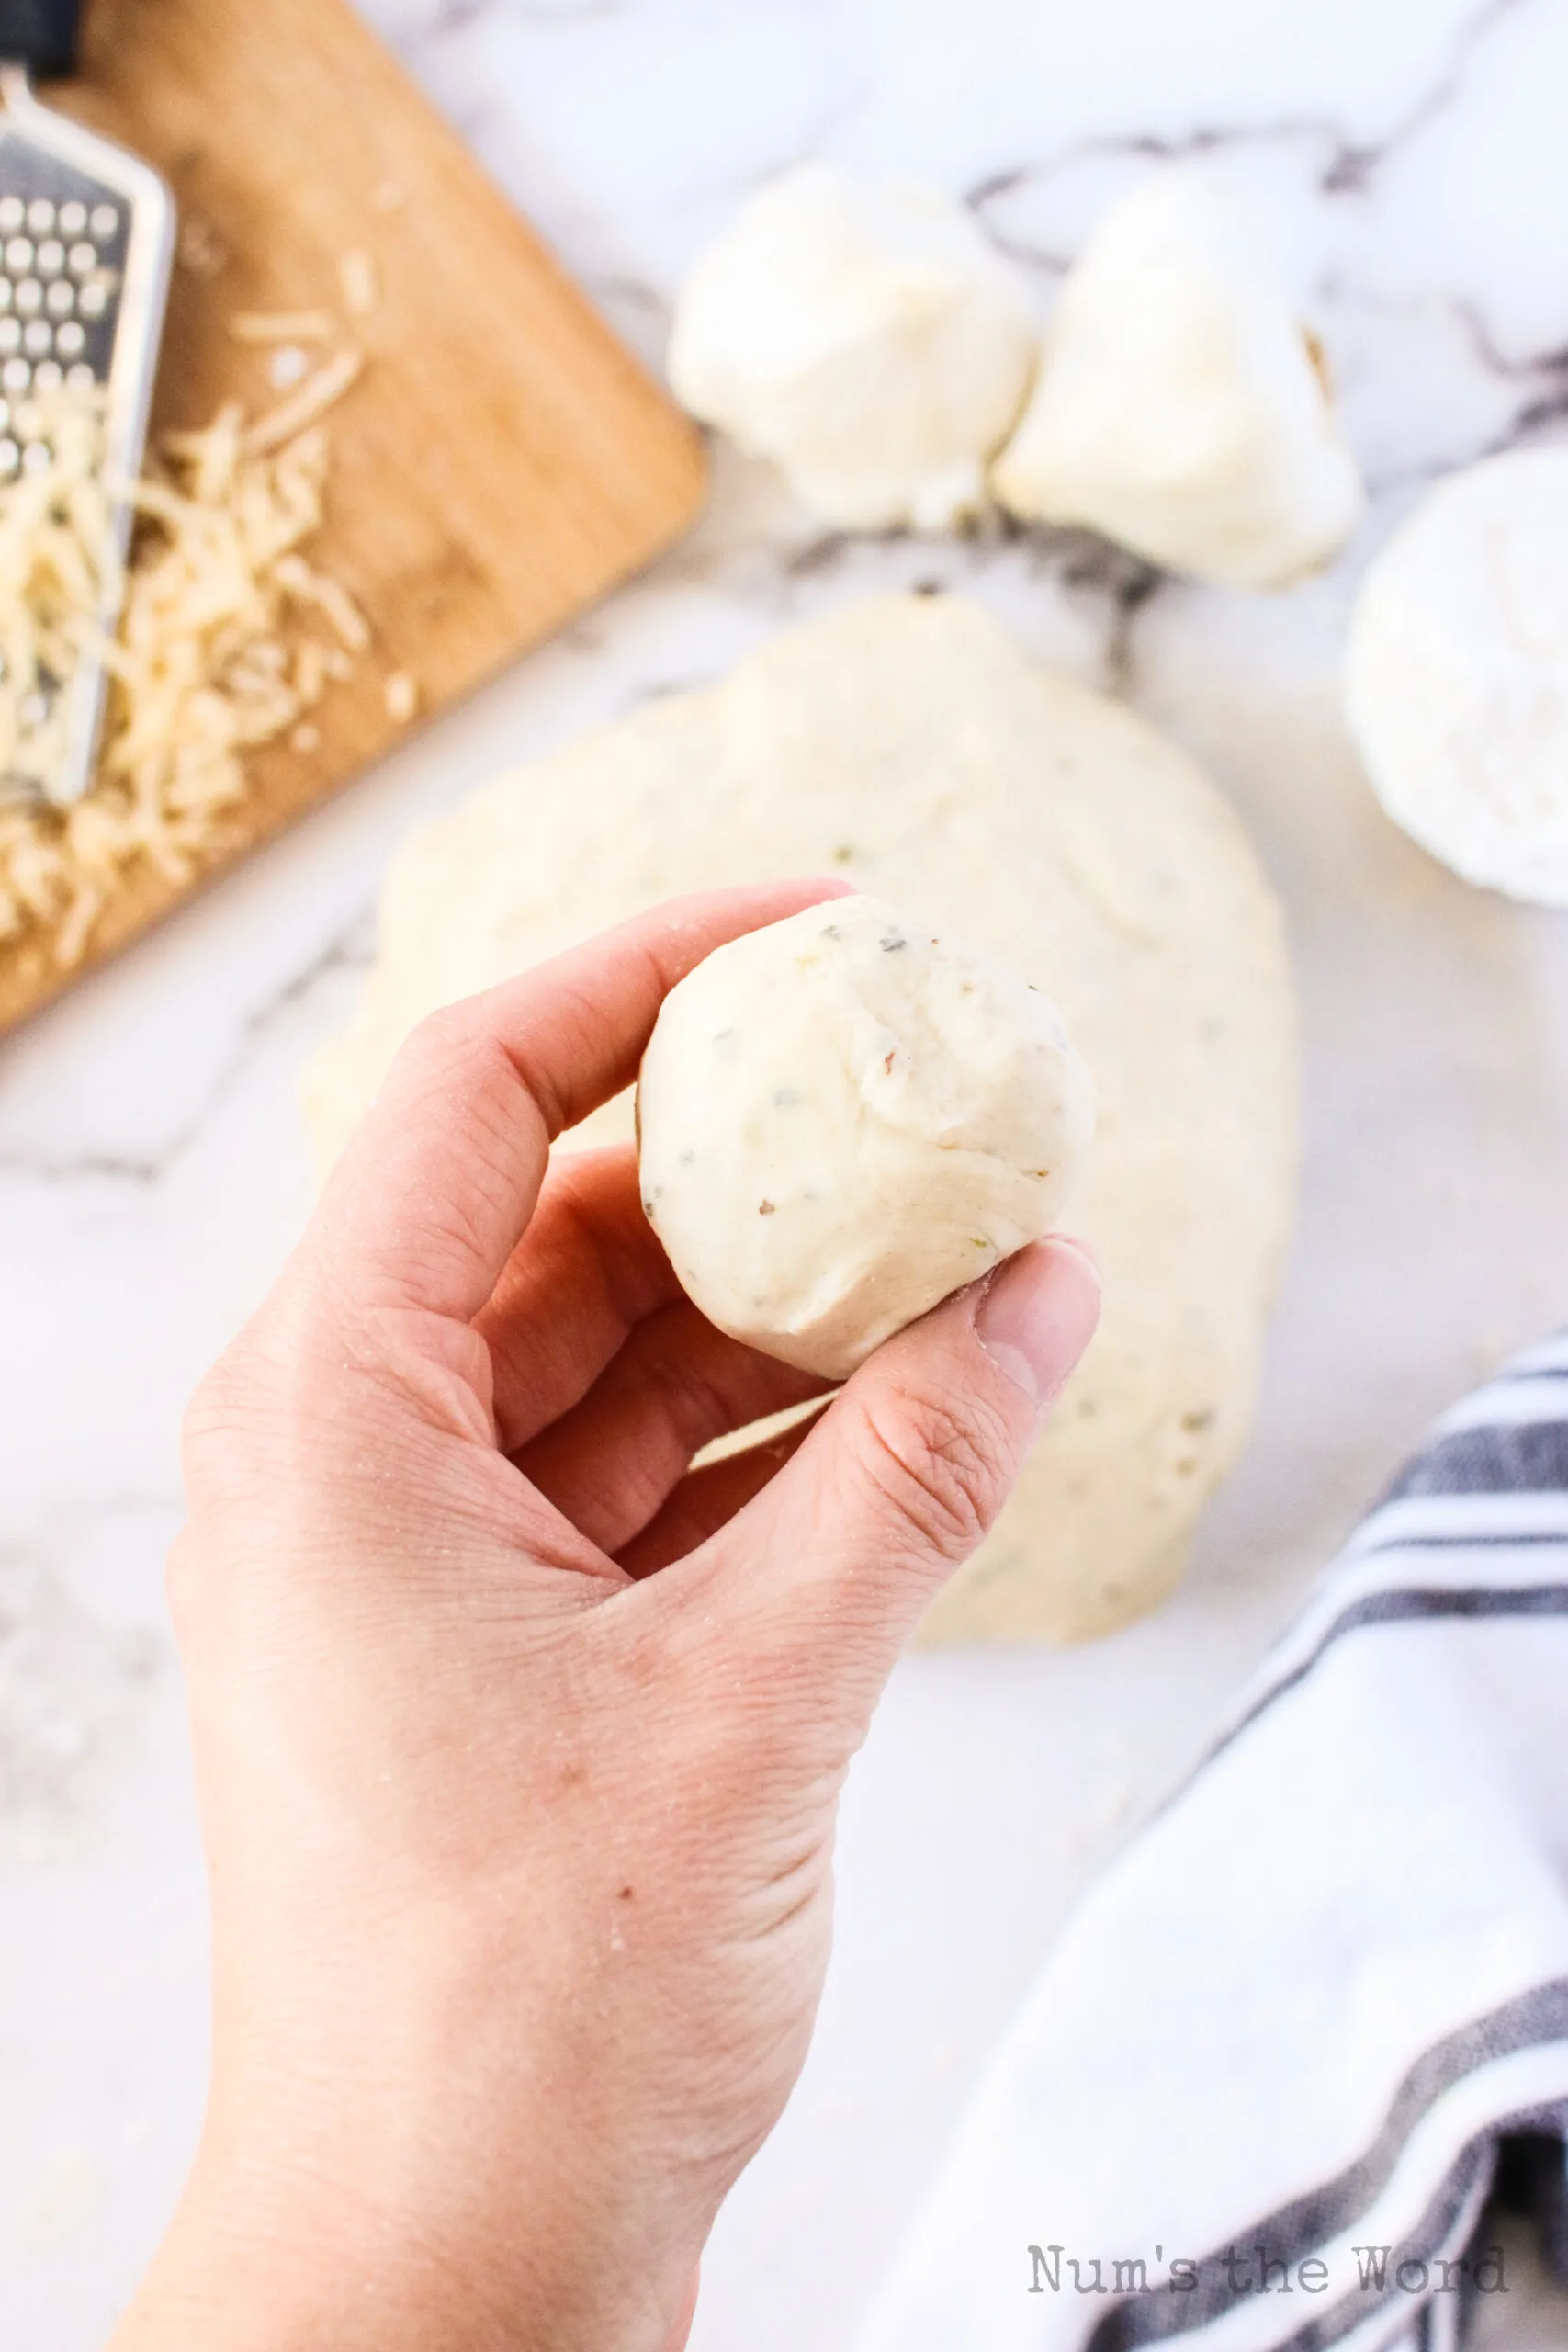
{"x":440,"y":1178}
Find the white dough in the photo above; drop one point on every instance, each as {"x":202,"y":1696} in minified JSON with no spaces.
{"x":1180,"y":409}
{"x":843,"y":1117}
{"x":1457,"y":673}
{"x":907,"y":744}
{"x":866,"y":338}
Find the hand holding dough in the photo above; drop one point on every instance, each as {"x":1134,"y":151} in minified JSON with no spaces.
{"x":842,"y":1118}
{"x":910,"y":744}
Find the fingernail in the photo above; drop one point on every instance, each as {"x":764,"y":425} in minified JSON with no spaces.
{"x":1037,"y":1315}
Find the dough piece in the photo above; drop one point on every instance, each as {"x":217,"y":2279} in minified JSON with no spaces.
{"x":1456,"y":678}
{"x":907,"y":744}
{"x":1180,"y":409}
{"x":864,"y":337}
{"x":842,"y":1118}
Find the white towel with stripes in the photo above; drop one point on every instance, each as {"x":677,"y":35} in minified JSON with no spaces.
{"x":1257,"y":2096}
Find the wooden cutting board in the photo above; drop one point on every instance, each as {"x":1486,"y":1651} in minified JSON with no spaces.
{"x":501,"y":462}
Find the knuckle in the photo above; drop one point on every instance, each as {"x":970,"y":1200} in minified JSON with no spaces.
{"x":219,"y":1409}
{"x":248,"y":1420}
{"x":455,"y":1063}
{"x":442,"y":1050}
{"x":943,"y":1466}
{"x":441,"y":1034}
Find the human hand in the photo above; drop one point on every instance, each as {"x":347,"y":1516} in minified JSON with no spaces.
{"x":518,"y":1743}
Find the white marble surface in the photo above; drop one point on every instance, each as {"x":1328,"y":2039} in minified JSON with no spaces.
{"x":1411,"y":158}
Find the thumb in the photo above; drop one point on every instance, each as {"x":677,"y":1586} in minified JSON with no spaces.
{"x":908,"y":1466}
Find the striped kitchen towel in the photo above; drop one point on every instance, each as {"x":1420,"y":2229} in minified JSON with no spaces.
{"x":1257,"y":2096}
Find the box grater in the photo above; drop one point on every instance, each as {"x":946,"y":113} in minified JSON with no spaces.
{"x":87,"y":238}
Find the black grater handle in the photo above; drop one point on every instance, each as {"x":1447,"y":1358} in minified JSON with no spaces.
{"x":40,"y":35}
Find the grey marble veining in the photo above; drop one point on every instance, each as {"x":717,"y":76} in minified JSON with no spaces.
{"x":1409,"y":159}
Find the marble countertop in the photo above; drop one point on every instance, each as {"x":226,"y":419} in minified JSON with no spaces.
{"x":153,"y":1170}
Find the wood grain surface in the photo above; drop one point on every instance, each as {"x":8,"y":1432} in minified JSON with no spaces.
{"x":501,"y":462}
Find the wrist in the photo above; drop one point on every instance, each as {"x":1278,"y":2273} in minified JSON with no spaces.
{"x":252,"y":2263}
{"x":395,"y":2167}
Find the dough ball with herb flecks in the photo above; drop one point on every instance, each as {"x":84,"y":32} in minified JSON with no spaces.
{"x":845,"y":1117}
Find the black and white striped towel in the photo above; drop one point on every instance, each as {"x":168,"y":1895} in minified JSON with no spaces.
{"x":1257,"y":2096}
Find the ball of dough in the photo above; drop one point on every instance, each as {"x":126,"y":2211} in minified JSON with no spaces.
{"x":907,"y":743}
{"x":1181,"y":410}
{"x":845,"y":1117}
{"x":864,"y":337}
{"x":1457,"y":674}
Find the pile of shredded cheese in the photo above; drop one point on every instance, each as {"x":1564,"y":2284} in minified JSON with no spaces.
{"x":228,"y":638}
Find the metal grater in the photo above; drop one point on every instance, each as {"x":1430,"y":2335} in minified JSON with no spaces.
{"x":86,"y":240}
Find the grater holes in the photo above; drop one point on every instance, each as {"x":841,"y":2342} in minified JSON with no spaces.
{"x":80,"y":377}
{"x":37,"y":338}
{"x":70,"y":340}
{"x":48,"y":376}
{"x":82,"y":260}
{"x":11,"y":334}
{"x":49,"y":259}
{"x":105,"y":221}
{"x":29,"y":297}
{"x":11,"y":458}
{"x":13,"y":212}
{"x":58,"y":301}
{"x":73,"y":218}
{"x":16,"y":375}
{"x":40,"y":216}
{"x":19,"y":252}
{"x":93,"y":301}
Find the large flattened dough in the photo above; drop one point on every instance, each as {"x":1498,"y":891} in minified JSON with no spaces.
{"x":907,"y":744}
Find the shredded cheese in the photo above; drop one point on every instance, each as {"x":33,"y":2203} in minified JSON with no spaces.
{"x":330,"y":598}
{"x":281,"y":326}
{"x":361,"y":287}
{"x":314,"y":397}
{"x":287,"y":364}
{"x":218,"y":650}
